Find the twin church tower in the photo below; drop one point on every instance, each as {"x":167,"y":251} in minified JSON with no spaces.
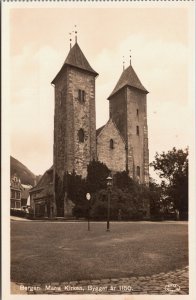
{"x":122,"y":143}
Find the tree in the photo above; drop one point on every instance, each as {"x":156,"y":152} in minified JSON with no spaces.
{"x":156,"y":204}
{"x":124,"y":205}
{"x":97,"y":173}
{"x":123,"y":181}
{"x":172,"y":167}
{"x":129,"y":200}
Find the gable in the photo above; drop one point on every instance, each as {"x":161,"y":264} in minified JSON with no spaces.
{"x":111,"y":131}
{"x":111,"y":148}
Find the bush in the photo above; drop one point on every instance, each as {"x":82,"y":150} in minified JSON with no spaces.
{"x":30,"y":215}
{"x":123,"y":205}
{"x":17,"y":213}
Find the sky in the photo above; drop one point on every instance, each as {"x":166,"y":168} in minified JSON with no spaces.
{"x":39,"y":43}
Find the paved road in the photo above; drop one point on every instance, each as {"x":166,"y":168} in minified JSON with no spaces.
{"x":171,"y":283}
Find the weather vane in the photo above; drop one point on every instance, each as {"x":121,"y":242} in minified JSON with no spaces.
{"x":130,"y":57}
{"x":75,"y":33}
{"x":123,"y":63}
{"x":70,"y":39}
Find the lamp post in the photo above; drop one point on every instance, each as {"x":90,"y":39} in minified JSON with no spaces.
{"x":88,"y":197}
{"x":109,"y":185}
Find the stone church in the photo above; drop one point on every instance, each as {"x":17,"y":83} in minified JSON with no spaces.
{"x":122,"y":143}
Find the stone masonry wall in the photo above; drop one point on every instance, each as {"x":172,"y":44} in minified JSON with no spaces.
{"x":137,"y":144}
{"x":113,"y":158}
{"x":118,"y":111}
{"x":84,"y":118}
{"x":70,"y":116}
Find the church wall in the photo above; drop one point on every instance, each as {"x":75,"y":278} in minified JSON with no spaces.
{"x":71,"y":115}
{"x":113,"y":158}
{"x":118,"y":111}
{"x":137,"y":141}
{"x":62,"y":120}
{"x":84,"y":118}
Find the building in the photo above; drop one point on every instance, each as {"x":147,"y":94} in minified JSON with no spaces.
{"x":74,"y":117}
{"x":122,"y":143}
{"x":41,"y":196}
{"x":25,"y":194}
{"x":15,"y":191}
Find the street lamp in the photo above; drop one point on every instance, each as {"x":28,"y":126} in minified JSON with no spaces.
{"x":88,"y":197}
{"x":109,"y":185}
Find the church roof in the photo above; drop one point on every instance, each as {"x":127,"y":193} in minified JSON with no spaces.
{"x":76,"y":59}
{"x":99,"y":130}
{"x":128,"y":78}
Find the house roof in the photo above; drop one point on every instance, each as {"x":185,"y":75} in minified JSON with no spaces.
{"x":44,"y":181}
{"x":128,"y":78}
{"x":25,"y":190}
{"x":24,"y":194}
{"x":76,"y":59}
{"x":26,"y":186}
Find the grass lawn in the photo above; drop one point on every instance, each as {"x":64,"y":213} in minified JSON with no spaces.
{"x":56,"y":252}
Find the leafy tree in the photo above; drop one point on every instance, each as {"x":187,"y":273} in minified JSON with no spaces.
{"x":124,"y":206}
{"x":172,"y":167}
{"x":123,"y":181}
{"x":97,"y":173}
{"x":76,"y":191}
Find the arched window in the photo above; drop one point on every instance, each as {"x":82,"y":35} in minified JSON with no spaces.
{"x":111,"y":144}
{"x":138,"y":171}
{"x":81,"y":135}
{"x":81,"y":96}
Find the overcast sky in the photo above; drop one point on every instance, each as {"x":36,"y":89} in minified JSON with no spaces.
{"x":39,"y":43}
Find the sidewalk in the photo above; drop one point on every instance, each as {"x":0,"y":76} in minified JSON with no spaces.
{"x":59,"y":220}
{"x":13,"y":218}
{"x":171,"y":283}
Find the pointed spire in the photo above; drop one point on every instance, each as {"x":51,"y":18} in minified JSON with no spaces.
{"x":70,"y":39}
{"x":128,"y":78}
{"x":76,"y":33}
{"x":130,"y":57}
{"x":76,"y":59}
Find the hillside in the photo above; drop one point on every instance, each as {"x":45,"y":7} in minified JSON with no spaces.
{"x":25,"y":175}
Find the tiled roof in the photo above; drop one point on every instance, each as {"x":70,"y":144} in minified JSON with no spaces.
{"x":45,"y":180}
{"x":128,"y":78}
{"x":76,"y":59}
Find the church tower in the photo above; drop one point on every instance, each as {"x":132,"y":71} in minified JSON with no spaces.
{"x":127,"y":105}
{"x":74,"y":118}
